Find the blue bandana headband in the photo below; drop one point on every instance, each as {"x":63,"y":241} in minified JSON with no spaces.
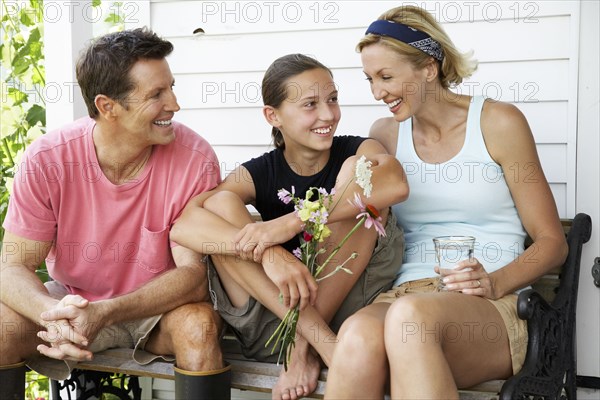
{"x":411,"y":36}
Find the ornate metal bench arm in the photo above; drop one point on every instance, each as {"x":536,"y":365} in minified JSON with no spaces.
{"x":549,"y":371}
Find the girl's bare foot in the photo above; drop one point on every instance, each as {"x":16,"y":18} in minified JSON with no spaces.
{"x":302,"y":375}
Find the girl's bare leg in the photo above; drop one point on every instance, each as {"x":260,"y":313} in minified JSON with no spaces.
{"x":242,"y":279}
{"x":332,"y":291}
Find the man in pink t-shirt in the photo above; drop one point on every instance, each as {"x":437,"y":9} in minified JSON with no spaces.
{"x":96,"y":199}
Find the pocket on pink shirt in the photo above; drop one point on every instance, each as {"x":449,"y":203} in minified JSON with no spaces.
{"x":154,"y":254}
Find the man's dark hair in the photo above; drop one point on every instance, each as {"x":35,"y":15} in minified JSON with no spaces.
{"x":103,"y":67}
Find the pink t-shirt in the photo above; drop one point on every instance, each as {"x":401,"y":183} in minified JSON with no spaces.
{"x":108,"y":239}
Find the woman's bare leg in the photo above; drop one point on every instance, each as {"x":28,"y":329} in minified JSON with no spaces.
{"x":359,"y":369}
{"x":448,"y":340}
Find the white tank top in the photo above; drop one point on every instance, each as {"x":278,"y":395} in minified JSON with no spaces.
{"x":466,"y":195}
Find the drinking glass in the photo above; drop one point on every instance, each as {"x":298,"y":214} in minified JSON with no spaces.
{"x":449,"y":251}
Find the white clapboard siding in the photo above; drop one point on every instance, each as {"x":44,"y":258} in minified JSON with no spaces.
{"x":527,"y":53}
{"x":220,"y":17}
{"x":336,"y":47}
{"x":355,"y":120}
{"x":522,"y":83}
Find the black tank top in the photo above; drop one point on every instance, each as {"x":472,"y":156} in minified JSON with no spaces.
{"x":271,"y":172}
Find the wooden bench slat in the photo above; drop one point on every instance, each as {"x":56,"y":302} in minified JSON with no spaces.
{"x":470,"y":395}
{"x":489,"y":386}
{"x":247,"y":375}
{"x":119,"y":361}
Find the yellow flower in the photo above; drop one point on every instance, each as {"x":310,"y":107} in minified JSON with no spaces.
{"x":325,"y":233}
{"x":308,"y":207}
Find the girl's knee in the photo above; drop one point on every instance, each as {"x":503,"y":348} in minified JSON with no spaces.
{"x":224,"y":202}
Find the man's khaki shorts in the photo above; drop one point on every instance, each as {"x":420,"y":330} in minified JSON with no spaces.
{"x":131,"y":335}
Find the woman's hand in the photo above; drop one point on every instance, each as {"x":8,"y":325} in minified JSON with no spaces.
{"x":253,"y":239}
{"x":470,"y":278}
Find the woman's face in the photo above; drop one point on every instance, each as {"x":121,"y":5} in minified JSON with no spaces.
{"x":394,"y":80}
{"x":310,"y":114}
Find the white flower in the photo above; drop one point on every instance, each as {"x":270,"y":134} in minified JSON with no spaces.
{"x":363,"y":173}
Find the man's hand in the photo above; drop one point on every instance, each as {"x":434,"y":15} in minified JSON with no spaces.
{"x":292,"y":278}
{"x":64,"y":342}
{"x":70,"y":326}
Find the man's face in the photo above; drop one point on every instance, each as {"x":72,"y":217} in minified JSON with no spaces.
{"x":151,"y":105}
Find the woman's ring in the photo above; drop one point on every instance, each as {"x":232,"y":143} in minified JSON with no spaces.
{"x":478,"y":283}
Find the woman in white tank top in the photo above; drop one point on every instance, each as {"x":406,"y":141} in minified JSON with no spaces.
{"x":472,"y":169}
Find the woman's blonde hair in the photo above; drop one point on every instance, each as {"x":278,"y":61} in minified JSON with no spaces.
{"x":455,"y":66}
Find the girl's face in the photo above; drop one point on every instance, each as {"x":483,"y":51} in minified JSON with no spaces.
{"x":310,"y":114}
{"x":394,"y":80}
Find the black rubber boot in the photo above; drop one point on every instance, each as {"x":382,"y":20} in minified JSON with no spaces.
{"x":203,"y":385}
{"x":12,"y":381}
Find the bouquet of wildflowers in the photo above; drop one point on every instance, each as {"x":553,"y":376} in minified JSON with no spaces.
{"x":314,"y":212}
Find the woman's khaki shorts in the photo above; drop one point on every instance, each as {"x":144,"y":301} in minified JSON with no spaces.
{"x":131,"y":335}
{"x":506,"y":306}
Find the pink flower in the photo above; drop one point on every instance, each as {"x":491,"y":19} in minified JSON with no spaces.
{"x":286,"y":196}
{"x":297,"y":252}
{"x":370,"y":213}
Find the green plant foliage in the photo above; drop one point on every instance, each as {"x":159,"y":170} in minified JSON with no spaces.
{"x":37,"y":386}
{"x":23,"y":111}
{"x":23,"y":108}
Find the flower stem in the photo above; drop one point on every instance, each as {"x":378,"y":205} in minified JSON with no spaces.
{"x":339,"y":246}
{"x":339,"y":197}
{"x":339,"y":268}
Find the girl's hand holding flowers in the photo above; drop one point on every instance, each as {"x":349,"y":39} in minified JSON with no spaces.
{"x":297,"y":286}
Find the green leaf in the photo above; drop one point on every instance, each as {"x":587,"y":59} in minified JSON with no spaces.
{"x":18,"y":40}
{"x":6,"y":54}
{"x":17,"y":96}
{"x":34,"y":36}
{"x":36,"y":50}
{"x":36,"y":114}
{"x":24,"y":17}
{"x":114,"y":19}
{"x":33,"y":47}
{"x":20,"y":64}
{"x":9,"y":115}
{"x":37,"y":77}
{"x":96,"y":3}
